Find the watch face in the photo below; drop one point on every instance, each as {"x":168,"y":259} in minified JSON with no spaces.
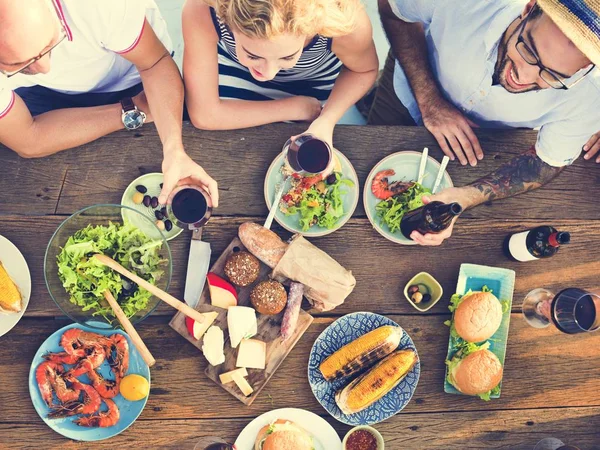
{"x":133,"y":119}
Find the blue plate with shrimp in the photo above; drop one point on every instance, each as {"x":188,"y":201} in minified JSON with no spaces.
{"x":128,"y":411}
{"x":403,"y":168}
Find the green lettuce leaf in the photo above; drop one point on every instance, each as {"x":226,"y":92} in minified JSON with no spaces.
{"x":391,"y":211}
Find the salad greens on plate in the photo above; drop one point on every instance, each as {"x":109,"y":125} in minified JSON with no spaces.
{"x":391,"y":210}
{"x":85,"y":279}
{"x":315,"y":201}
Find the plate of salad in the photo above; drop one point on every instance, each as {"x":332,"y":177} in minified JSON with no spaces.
{"x":391,"y":191}
{"x":310,"y":205}
{"x":77,"y":281}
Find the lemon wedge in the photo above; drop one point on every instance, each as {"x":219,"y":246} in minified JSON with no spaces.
{"x":134,"y":387}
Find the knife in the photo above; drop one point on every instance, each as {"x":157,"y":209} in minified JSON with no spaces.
{"x":198,"y":264}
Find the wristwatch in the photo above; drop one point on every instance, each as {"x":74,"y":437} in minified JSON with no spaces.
{"x":131,"y":116}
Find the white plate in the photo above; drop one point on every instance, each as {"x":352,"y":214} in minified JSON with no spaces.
{"x":152,"y":182}
{"x":18,"y":271}
{"x":324,"y":435}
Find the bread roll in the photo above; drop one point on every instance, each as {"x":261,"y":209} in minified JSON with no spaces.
{"x":262,"y":243}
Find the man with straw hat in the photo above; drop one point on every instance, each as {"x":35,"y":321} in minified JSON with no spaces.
{"x":497,"y":64}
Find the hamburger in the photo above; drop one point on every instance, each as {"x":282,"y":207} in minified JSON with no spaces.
{"x":477,"y":315}
{"x":283,"y":435}
{"x":474,"y":370}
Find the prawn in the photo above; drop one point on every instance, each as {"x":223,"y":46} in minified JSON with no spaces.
{"x":64,"y":393}
{"x":75,"y":341}
{"x":62,"y":358}
{"x":382,"y":189}
{"x":44,"y":375}
{"x":90,"y":404}
{"x":106,"y":388}
{"x":102,"y":419}
{"x":118,"y":356}
{"x":94,"y":359}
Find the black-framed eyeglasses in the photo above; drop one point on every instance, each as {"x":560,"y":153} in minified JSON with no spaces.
{"x":553,"y":80}
{"x":63,"y":36}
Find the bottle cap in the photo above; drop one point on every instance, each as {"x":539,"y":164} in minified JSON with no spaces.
{"x":563,"y":237}
{"x":455,"y":209}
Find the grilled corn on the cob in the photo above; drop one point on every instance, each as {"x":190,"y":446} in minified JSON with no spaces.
{"x":361,"y":353}
{"x":381,"y":379}
{"x":10,"y":297}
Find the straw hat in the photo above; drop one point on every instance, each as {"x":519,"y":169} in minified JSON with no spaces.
{"x":579,"y":20}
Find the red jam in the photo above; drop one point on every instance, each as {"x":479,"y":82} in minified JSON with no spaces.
{"x":361,"y":440}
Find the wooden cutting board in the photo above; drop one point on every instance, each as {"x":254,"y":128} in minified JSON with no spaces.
{"x":268,"y":331}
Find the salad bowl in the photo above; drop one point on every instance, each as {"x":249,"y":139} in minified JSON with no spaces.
{"x":82,"y":235}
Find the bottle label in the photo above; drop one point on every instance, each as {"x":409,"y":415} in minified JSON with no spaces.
{"x":518,"y":247}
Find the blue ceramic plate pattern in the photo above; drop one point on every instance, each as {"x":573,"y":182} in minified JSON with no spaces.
{"x":129,"y":411}
{"x":502,"y":283}
{"x":339,"y":333}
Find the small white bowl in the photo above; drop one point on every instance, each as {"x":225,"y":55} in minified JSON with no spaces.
{"x":373,"y":431}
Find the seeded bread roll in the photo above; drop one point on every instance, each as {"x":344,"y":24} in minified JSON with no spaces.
{"x":242,"y":268}
{"x":262,"y":243}
{"x":269,"y":297}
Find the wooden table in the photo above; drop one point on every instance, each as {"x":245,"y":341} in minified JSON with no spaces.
{"x":551,"y":385}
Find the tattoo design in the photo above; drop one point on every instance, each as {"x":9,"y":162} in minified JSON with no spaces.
{"x":521,"y":174}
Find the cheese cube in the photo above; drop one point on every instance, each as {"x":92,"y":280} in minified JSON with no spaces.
{"x":227,"y":377}
{"x":243,"y":384}
{"x":252,"y":354}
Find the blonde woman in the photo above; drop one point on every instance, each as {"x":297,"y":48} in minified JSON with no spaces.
{"x":252,"y":62}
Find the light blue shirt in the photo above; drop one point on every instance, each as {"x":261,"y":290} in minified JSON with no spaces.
{"x":462,"y":38}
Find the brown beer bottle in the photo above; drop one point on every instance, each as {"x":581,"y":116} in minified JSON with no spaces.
{"x":434,"y":217}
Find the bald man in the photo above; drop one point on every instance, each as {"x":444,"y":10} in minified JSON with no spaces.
{"x":76,"y":70}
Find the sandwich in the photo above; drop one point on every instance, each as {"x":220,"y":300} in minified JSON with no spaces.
{"x":474,"y":370}
{"x":283,"y":435}
{"x":10,"y":297}
{"x":477,"y":315}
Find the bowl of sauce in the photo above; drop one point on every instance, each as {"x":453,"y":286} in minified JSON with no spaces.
{"x":363,"y":438}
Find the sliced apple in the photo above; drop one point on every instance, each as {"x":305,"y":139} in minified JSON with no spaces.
{"x":222,"y":293}
{"x":197,"y":329}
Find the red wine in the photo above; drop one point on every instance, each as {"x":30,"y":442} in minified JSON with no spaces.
{"x":575,"y":311}
{"x":585,"y":312}
{"x":540,"y":242}
{"x":434,"y":217}
{"x":313,"y":156}
{"x":189,"y":206}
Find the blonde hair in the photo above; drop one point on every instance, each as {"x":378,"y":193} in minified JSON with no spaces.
{"x":265,"y":19}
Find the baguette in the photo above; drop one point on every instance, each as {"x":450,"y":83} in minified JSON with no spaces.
{"x":361,"y":353}
{"x":374,"y":384}
{"x":262,"y":243}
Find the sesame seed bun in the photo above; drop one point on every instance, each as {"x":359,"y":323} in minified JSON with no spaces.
{"x":284,"y":435}
{"x":269,"y":297}
{"x":478,"y":316}
{"x":477,"y":373}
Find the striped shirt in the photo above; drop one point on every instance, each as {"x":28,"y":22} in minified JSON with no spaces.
{"x":313,"y":75}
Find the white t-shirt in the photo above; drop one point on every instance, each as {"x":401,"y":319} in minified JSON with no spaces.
{"x":89,"y":60}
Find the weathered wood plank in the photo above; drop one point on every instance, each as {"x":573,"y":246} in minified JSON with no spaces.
{"x":380,"y":267}
{"x":30,"y":186}
{"x":100,"y":171}
{"x":499,"y":430}
{"x":544,"y":368}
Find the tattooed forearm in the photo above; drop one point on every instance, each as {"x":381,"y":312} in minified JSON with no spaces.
{"x":521,"y":174}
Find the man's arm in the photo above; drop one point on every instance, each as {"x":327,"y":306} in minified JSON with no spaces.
{"x":522,"y":173}
{"x":441,"y":118}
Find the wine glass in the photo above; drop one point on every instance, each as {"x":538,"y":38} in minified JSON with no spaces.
{"x":553,"y":444}
{"x":308,"y":155}
{"x":213,"y":443}
{"x":572,"y":310}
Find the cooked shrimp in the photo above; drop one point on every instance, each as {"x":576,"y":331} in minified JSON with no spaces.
{"x":62,"y":358}
{"x":44,"y":375}
{"x":64,"y":393}
{"x":75,"y":341}
{"x":118,"y":357}
{"x":106,"y":388}
{"x":102,"y":419}
{"x":94,"y":359}
{"x":379,"y":186}
{"x":90,"y":404}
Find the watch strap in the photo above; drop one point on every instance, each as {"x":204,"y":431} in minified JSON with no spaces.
{"x":127,"y":104}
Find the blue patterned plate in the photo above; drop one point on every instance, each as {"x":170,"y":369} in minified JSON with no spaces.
{"x":339,"y":333}
{"x":129,"y":411}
